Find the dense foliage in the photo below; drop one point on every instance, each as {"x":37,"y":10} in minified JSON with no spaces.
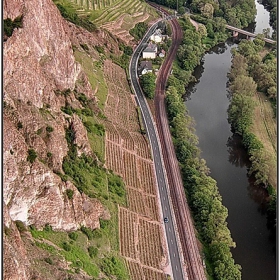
{"x":10,"y":25}
{"x":69,"y":13}
{"x":147,"y":82}
{"x":202,"y":192}
{"x":139,"y":30}
{"x":272,"y":6}
{"x":250,"y":71}
{"x":203,"y":196}
{"x":88,"y":176}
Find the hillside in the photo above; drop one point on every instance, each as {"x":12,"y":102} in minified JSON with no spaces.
{"x":62,"y":189}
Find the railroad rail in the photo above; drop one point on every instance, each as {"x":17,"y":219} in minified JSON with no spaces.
{"x":248,"y":33}
{"x":189,"y":243}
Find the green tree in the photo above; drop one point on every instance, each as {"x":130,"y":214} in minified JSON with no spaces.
{"x":32,"y":155}
{"x":147,"y":82}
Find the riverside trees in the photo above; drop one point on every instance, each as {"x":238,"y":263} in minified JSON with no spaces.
{"x":202,"y":192}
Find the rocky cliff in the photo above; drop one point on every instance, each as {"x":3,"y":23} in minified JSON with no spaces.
{"x":39,"y":66}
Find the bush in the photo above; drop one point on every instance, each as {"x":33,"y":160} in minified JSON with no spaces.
{"x":85,"y":47}
{"x":48,"y":260}
{"x":66,"y":246}
{"x":87,"y":231}
{"x":20,"y":226}
{"x":32,"y":155}
{"x":116,"y":185}
{"x":70,"y":14}
{"x":69,"y":193}
{"x":19,"y":125}
{"x":114,"y":266}
{"x":49,"y":129}
{"x":73,"y":235}
{"x":139,"y":30}
{"x":93,"y":252}
{"x":10,"y":25}
{"x":7,"y":230}
{"x":39,"y":131}
{"x":147,"y":82}
{"x":49,"y":154}
{"x":48,"y":228}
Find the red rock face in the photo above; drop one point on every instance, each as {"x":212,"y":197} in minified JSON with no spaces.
{"x":38,"y":60}
{"x":16,"y":265}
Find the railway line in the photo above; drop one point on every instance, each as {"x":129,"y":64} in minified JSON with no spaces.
{"x":189,"y":244}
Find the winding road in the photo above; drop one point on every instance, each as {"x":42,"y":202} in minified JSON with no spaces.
{"x":184,"y":255}
{"x":174,"y":255}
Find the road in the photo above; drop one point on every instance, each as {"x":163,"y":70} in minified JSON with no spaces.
{"x":174,"y":255}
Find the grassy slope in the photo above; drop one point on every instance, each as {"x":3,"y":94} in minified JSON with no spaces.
{"x":265,"y":128}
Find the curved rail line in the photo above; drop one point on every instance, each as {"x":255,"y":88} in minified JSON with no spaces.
{"x":189,"y":243}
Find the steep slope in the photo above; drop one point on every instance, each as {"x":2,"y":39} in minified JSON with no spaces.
{"x":41,"y":76}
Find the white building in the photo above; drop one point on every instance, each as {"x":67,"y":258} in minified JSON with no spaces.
{"x":157,"y":36}
{"x":150,"y":51}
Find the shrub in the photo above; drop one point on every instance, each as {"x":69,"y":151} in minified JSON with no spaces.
{"x":69,"y":193}
{"x":100,"y":49}
{"x":70,"y":14}
{"x":20,"y":226}
{"x":114,"y":266}
{"x":104,"y":223}
{"x":19,"y":125}
{"x":87,"y":231}
{"x":73,"y":235}
{"x":49,"y":129}
{"x":139,"y":30}
{"x":32,"y":155}
{"x":48,"y":260}
{"x":7,"y":230}
{"x":85,"y":47}
{"x":10,"y":25}
{"x":48,"y":227}
{"x":66,"y":246}
{"x":39,"y":131}
{"x":92,"y":251}
{"x":49,"y":154}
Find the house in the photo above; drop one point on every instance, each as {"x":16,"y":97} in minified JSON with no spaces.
{"x":145,"y":67}
{"x":150,"y":51}
{"x":162,"y":53}
{"x":157,"y":36}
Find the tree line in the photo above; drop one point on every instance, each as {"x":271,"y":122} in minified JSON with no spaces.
{"x":202,"y":192}
{"x":251,"y":72}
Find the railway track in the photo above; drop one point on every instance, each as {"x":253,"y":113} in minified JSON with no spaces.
{"x":189,"y":244}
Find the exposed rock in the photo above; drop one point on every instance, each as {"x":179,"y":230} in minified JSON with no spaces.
{"x":16,"y":264}
{"x":42,"y":45}
{"x":81,"y":138}
{"x":39,"y":66}
{"x":38,"y":61}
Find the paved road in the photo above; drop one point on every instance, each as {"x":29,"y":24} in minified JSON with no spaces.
{"x":175,"y":258}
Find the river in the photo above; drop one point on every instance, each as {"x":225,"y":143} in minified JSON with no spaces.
{"x":207,"y":103}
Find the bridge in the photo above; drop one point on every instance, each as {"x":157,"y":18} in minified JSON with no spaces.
{"x":248,"y":33}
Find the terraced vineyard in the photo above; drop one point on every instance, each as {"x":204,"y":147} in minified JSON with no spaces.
{"x":128,"y":154}
{"x":116,"y":16}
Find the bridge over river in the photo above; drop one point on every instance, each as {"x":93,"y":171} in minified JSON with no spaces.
{"x":248,"y":33}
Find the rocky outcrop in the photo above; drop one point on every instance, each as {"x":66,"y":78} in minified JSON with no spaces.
{"x":16,"y":264}
{"x":39,"y":68}
{"x":43,"y":45}
{"x":81,"y":138}
{"x":39,"y":65}
{"x":35,"y":195}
